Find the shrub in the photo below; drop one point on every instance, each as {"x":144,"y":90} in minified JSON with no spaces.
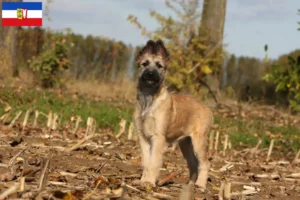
{"x":52,"y":62}
{"x":287,"y":79}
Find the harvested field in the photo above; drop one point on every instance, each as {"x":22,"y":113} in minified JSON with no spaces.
{"x":53,"y":162}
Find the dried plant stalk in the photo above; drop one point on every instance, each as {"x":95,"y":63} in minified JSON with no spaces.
{"x":36,"y":115}
{"x":270,"y":150}
{"x":229,"y":144}
{"x":44,"y":174}
{"x":272,"y":176}
{"x":22,"y":184}
{"x":7,"y":107}
{"x":226,"y":167}
{"x":80,"y":142}
{"x":227,"y":190}
{"x":9,"y":191}
{"x":4,"y":117}
{"x":211,"y":140}
{"x":254,"y":150}
{"x":280,"y":162}
{"x":78,"y":120}
{"x":246,"y":187}
{"x":15,"y":119}
{"x":130,"y":131}
{"x":161,"y":196}
{"x":90,"y":126}
{"x":225,"y":144}
{"x":93,"y":126}
{"x":245,"y":192}
{"x":55,"y":121}
{"x":293,"y":175}
{"x":26,"y":118}
{"x":49,"y":122}
{"x":217,"y":141}
{"x":130,"y":187}
{"x":221,"y":191}
{"x":122,"y":125}
{"x":243,"y":183}
{"x":296,"y":159}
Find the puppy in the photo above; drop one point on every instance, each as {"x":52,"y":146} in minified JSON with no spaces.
{"x":161,"y":118}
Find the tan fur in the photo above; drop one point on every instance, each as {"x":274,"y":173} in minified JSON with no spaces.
{"x":171,"y":118}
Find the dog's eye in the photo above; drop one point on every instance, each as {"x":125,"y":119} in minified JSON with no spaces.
{"x":159,"y":65}
{"x":146,"y":63}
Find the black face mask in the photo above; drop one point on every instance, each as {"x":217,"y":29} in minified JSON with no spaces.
{"x":150,"y":78}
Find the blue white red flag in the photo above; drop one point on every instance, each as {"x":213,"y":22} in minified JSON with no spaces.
{"x":22,"y":14}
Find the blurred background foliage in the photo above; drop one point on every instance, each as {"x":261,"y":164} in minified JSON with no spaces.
{"x":194,"y":39}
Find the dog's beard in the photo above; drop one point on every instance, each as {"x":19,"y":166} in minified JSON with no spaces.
{"x":145,"y":100}
{"x":147,"y":92}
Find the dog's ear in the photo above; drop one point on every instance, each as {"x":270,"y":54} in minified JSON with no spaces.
{"x":148,"y":48}
{"x":162,"y":50}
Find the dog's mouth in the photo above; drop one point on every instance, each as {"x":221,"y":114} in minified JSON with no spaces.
{"x":150,"y":82}
{"x":150,"y":78}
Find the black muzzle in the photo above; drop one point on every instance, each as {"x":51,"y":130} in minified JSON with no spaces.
{"x":150,"y":77}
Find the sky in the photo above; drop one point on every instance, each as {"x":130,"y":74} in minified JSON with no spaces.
{"x":249,"y":24}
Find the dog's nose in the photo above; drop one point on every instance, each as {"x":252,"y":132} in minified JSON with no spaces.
{"x":150,"y":73}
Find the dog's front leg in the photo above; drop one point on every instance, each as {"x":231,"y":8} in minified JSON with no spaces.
{"x":158,"y":144}
{"x":145,"y":148}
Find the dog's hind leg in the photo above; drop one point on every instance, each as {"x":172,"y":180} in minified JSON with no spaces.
{"x":187,"y":150}
{"x":199,"y":141}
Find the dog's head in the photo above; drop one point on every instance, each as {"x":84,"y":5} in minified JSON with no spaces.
{"x":152,"y":61}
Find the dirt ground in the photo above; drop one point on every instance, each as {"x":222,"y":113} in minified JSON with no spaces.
{"x":37,"y":165}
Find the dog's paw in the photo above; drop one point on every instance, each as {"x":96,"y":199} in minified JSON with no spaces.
{"x":201,"y":189}
{"x":136,"y":182}
{"x":143,"y":185}
{"x":148,"y":180}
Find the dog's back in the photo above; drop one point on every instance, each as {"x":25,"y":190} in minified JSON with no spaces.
{"x":187,"y":115}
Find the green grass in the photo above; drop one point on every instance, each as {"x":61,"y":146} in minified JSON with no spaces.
{"x":108,"y":114}
{"x":248,"y":132}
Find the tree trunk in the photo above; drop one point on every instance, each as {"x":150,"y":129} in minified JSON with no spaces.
{"x":8,"y":46}
{"x":212,"y":29}
{"x":213,"y":19}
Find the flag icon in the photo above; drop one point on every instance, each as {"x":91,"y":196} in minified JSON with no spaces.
{"x":22,"y":14}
